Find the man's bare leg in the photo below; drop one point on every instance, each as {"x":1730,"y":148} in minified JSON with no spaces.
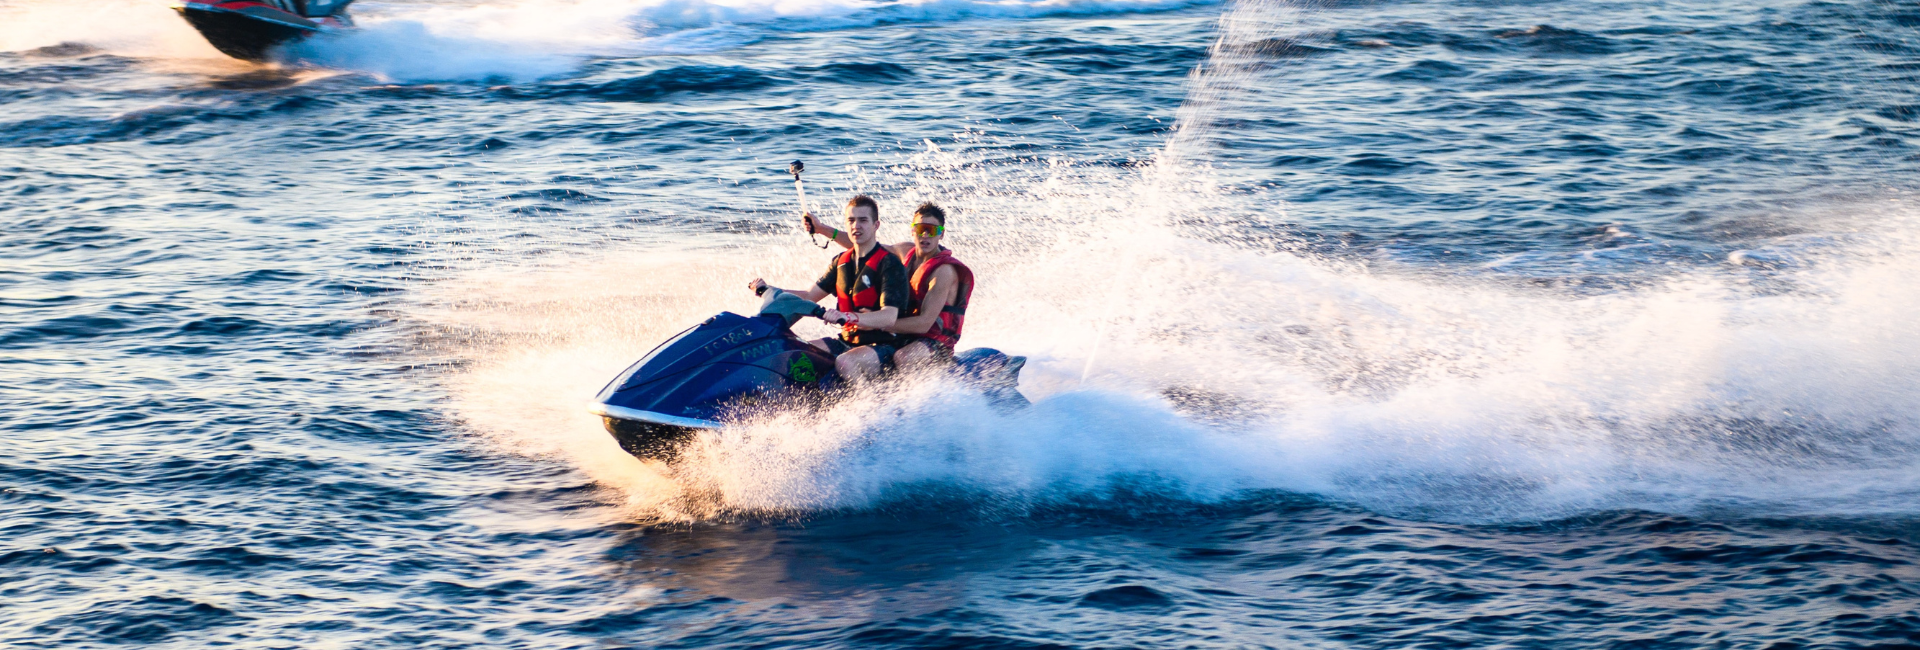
{"x":858,"y":364}
{"x":915,"y":355}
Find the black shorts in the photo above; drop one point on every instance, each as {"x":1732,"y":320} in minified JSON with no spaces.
{"x":837,"y":347}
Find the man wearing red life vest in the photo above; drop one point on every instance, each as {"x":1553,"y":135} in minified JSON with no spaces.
{"x":870,"y":287}
{"x":939,"y":288}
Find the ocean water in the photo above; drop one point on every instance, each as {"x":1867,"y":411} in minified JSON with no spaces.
{"x":1352,"y":324}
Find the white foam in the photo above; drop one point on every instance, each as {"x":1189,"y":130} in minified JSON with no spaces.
{"x":1439,"y":396}
{"x":1168,"y":355}
{"x":406,"y":51}
{"x":531,"y":39}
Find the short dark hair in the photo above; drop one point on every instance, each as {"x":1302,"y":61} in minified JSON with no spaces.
{"x":930,"y":210}
{"x":865,"y":201}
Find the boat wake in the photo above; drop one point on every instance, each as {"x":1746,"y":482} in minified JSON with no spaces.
{"x":1170,"y":358}
{"x":1183,"y":344}
{"x":522,"y":40}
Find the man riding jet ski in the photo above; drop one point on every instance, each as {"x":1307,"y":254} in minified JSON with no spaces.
{"x":249,"y":29}
{"x":869,"y":284}
{"x":938,"y":278}
{"x":730,"y":365}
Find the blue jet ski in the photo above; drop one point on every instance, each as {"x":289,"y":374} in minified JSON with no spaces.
{"x":730,"y":365}
{"x":250,"y":29}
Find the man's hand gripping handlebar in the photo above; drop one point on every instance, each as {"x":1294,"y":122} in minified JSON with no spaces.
{"x":838,"y":317}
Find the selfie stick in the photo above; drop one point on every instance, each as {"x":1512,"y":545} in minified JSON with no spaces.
{"x":795,"y":168}
{"x":800,"y":188}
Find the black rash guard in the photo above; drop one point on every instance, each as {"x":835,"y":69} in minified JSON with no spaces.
{"x":891,"y":282}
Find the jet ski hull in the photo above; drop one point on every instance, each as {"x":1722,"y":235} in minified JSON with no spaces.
{"x":248,"y":30}
{"x":708,"y":373}
{"x":648,"y":435}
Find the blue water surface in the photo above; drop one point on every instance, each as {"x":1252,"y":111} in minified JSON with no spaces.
{"x":238,"y":413}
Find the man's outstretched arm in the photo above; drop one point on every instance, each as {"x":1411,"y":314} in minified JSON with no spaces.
{"x":812,"y":293}
{"x":841,"y":237}
{"x":938,"y":295}
{"x":880,"y":319}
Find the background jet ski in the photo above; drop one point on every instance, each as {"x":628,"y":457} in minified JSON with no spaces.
{"x":730,"y":362}
{"x":248,"y":29}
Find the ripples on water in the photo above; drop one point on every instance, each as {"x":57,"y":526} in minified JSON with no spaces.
{"x":1569,"y":324}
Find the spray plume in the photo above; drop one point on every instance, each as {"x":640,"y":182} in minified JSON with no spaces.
{"x":1172,"y":360}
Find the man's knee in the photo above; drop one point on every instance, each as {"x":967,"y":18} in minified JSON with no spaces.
{"x":923,"y":353}
{"x":913,"y":355}
{"x":857,"y":362}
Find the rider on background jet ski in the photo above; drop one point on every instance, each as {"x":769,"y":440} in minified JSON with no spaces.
{"x":871,"y":289}
{"x":937,"y":278}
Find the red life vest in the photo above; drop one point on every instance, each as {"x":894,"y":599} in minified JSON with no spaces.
{"x":946,"y":329}
{"x":865,"y":299}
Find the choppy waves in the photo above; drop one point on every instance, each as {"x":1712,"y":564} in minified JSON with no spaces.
{"x":1398,"y":324}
